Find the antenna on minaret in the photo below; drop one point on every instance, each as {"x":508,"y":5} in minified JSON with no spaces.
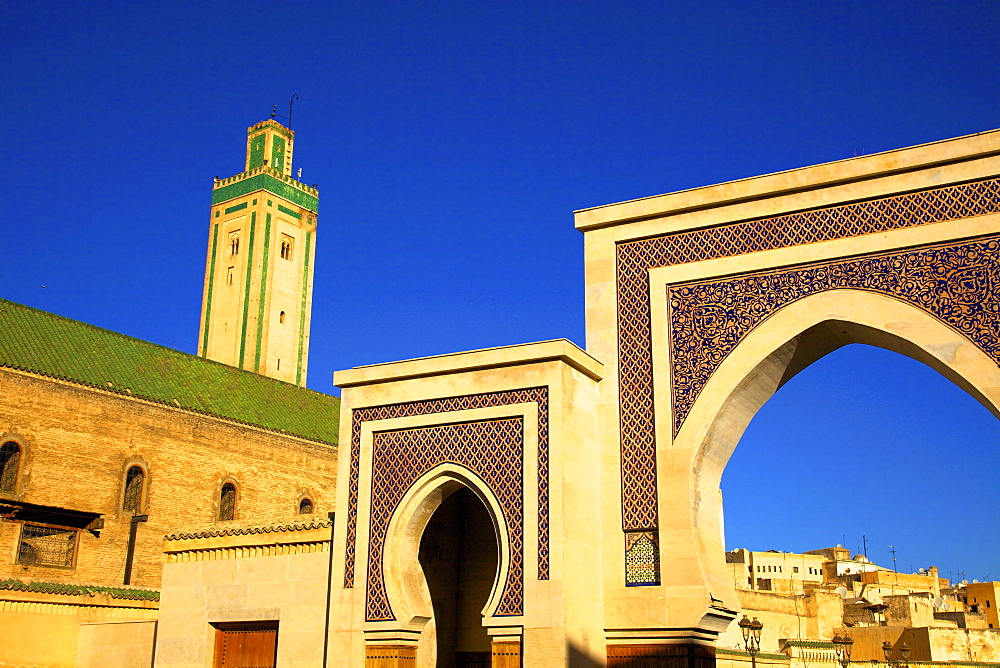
{"x":295,"y":96}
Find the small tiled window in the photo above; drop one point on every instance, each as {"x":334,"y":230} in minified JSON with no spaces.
{"x":134,"y":481}
{"x":227,"y":502}
{"x":47,"y":546}
{"x":10,"y":460}
{"x":305,"y":506}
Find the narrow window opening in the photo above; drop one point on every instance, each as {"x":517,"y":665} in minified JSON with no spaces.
{"x":134,"y":480}
{"x":286,"y":247}
{"x":227,"y":502}
{"x":281,"y":317}
{"x":10,"y":459}
{"x":234,"y":243}
{"x":305,"y":507}
{"x":279,"y":363}
{"x":229,"y":276}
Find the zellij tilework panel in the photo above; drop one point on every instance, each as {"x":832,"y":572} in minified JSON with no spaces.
{"x":443,"y":406}
{"x":957,"y":283}
{"x":636,"y":258}
{"x":492,"y":449}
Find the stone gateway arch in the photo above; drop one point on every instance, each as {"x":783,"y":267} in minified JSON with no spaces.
{"x":596,"y":472}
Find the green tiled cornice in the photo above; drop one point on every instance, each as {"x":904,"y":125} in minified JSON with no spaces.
{"x":257,"y":127}
{"x":265,"y":178}
{"x":79,"y":590}
{"x":45,"y":344}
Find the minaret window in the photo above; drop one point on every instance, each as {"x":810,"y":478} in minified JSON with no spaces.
{"x":286,"y":247}
{"x":305,"y":506}
{"x":234,"y":243}
{"x":229,"y":276}
{"x":281,"y":318}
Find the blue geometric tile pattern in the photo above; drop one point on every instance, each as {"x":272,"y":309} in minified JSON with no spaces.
{"x":492,"y":449}
{"x":537,"y":395}
{"x":958,"y":283}
{"x":636,"y":258}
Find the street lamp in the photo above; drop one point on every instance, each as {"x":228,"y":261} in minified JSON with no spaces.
{"x":751,"y":637}
{"x":843,"y":648}
{"x":904,"y":650}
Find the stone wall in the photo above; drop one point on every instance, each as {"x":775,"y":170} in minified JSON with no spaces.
{"x":79,"y":442}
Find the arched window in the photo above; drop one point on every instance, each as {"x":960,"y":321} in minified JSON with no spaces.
{"x":134,"y":481}
{"x":305,"y":506}
{"x":227,"y":502}
{"x":10,"y":460}
{"x":281,"y":317}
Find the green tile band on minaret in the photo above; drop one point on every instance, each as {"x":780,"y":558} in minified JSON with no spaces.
{"x":258,"y":283}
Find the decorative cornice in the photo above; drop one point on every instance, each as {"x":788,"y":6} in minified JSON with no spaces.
{"x":131,"y":594}
{"x":252,"y":530}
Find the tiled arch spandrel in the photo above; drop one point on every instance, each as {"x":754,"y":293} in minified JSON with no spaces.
{"x":694,"y":328}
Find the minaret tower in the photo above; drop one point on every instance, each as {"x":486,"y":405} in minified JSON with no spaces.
{"x":259,"y":274}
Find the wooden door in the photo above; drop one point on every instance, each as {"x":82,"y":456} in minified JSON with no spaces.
{"x":246,"y":645}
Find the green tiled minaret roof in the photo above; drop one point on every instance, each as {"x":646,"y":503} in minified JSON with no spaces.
{"x":50,"y":345}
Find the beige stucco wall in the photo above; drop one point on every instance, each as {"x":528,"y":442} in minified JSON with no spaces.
{"x":287,"y":588}
{"x":118,"y":643}
{"x":40,"y":630}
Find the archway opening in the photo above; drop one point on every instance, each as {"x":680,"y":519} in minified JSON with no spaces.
{"x":459,"y":555}
{"x":867,"y":449}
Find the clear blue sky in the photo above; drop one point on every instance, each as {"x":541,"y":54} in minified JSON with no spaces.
{"x":451,"y":143}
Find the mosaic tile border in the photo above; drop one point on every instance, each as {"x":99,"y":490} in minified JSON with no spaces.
{"x":635,"y":259}
{"x":443,"y":406}
{"x":492,"y":449}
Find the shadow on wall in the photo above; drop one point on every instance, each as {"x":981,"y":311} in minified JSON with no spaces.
{"x":578,"y":658}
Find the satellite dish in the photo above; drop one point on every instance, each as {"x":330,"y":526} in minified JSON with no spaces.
{"x":938,"y":603}
{"x":842,"y":591}
{"x":975,"y":582}
{"x":946,"y":606}
{"x":921,"y":570}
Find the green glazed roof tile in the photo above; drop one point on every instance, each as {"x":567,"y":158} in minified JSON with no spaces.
{"x":50,"y":345}
{"x":80,"y":590}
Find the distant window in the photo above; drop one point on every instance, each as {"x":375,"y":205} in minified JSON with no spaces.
{"x":227,"y":502}
{"x":229,"y":276}
{"x":47,"y":546}
{"x":286,"y":247}
{"x":10,"y":459}
{"x":234,"y":243}
{"x":305,"y":507}
{"x":134,"y":480}
{"x":795,"y":569}
{"x":281,"y":317}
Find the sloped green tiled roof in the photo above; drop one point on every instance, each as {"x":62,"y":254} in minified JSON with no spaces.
{"x":50,"y":345}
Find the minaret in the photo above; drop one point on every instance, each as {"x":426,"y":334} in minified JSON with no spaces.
{"x":259,"y":274}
